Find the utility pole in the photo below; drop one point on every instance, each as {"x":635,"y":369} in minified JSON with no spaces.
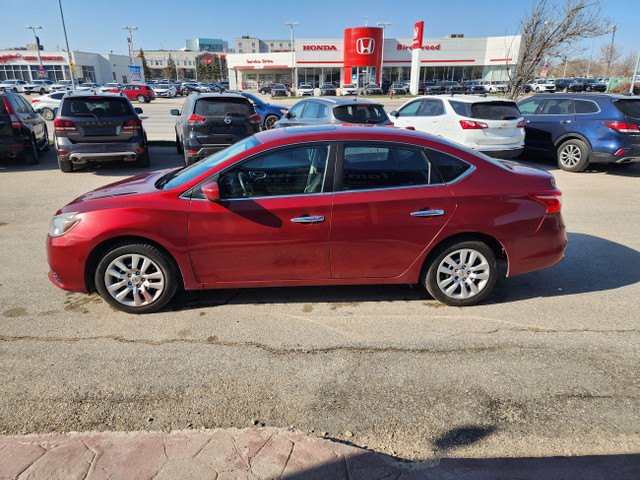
{"x":613,"y":36}
{"x":294,"y":79}
{"x":35,"y":37}
{"x":131,"y":61}
{"x":383,"y":25}
{"x":73,"y":80}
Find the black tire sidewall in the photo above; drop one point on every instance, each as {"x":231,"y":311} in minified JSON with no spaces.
{"x":584,"y":155}
{"x":166,"y":264}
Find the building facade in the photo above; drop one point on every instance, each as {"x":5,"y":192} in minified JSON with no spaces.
{"x":207,"y":45}
{"x":247,"y":44}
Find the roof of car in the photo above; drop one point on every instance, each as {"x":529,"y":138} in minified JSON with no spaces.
{"x":91,"y":93}
{"x":219,"y":95}
{"x":591,"y":95}
{"x":337,"y":101}
{"x":467,"y":98}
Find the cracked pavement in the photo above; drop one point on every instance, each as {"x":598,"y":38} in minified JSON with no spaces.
{"x":547,"y":366}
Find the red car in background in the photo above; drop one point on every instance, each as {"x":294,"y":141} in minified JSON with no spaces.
{"x":141,"y":93}
{"x":322,"y":205}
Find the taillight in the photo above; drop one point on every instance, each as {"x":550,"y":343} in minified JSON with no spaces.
{"x":15,"y":121}
{"x":195,"y":118}
{"x":254,"y":118}
{"x":522,"y":123}
{"x":410,"y":128}
{"x":391,"y":124}
{"x":551,"y":199}
{"x":622,"y":127}
{"x":132,"y":125}
{"x":472,"y":125}
{"x":60,"y":125}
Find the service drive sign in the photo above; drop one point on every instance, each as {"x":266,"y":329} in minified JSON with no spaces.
{"x":365,"y":46}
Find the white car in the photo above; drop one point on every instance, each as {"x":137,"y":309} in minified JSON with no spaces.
{"x":46,"y":105}
{"x":62,"y":85}
{"x":498,"y":86}
{"x":109,"y":86}
{"x":348,"y":89}
{"x":39,"y":86}
{"x":542,"y":85}
{"x":13,"y":86}
{"x":89,"y":86}
{"x":493,"y":126}
{"x":164,"y":90}
{"x":305,"y":89}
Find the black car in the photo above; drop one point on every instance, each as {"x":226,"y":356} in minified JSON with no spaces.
{"x":449,"y":86}
{"x":210,"y":122}
{"x":593,"y":85}
{"x":475,"y":86}
{"x":328,"y":89}
{"x":566,"y":85}
{"x":278,"y":90}
{"x":266,"y":88}
{"x":430,"y":88}
{"x":23,"y":133}
{"x":372,"y":89}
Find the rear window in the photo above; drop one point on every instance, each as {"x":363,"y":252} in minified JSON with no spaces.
{"x":100,"y":106}
{"x":360,"y":113}
{"x":223,"y":107}
{"x":3,"y":109}
{"x":630,"y":108}
{"x":495,"y":111}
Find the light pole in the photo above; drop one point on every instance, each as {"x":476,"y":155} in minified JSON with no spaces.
{"x":383,"y":25}
{"x":294,"y":79}
{"x":73,"y":80}
{"x":37,"y":45}
{"x":130,"y":43}
{"x":613,"y":37}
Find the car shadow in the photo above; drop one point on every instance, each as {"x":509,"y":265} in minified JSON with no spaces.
{"x":586,"y":268}
{"x":549,"y":164}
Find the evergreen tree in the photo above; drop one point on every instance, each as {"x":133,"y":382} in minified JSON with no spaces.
{"x":216,"y":68}
{"x":209,"y":72}
{"x":200,"y":70}
{"x":170,"y":71}
{"x":145,"y":66}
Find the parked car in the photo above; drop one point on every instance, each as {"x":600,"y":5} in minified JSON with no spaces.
{"x":278,"y":90}
{"x":269,"y":114}
{"x":89,"y":86}
{"x":23,"y":133}
{"x":493,"y":126}
{"x":399,"y":88}
{"x":107,"y":87}
{"x":372,"y":89}
{"x":348,"y":89}
{"x":542,"y":85}
{"x":92,"y":127}
{"x":593,"y":85}
{"x":498,"y":86}
{"x":305,"y":89}
{"x":63,"y":86}
{"x":15,"y":86}
{"x":40,"y":86}
{"x":266,"y":88}
{"x":329,"y":206}
{"x":164,"y":90}
{"x":47,"y":105}
{"x":581,"y":129}
{"x":141,"y":93}
{"x":210,"y":122}
{"x":192,"y":88}
{"x":334,"y":110}
{"x":566,"y":85}
{"x":475,"y":86}
{"x":449,"y":86}
{"x":430,"y":88}
{"x":328,"y":90}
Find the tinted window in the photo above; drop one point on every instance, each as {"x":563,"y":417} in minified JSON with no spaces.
{"x":410,"y":110}
{"x":558,"y":107}
{"x":102,"y":107}
{"x":312,"y":111}
{"x":431,"y":108}
{"x":376,"y":166}
{"x":529,"y":106}
{"x":291,"y":171}
{"x":449,"y":167}
{"x":360,"y":113}
{"x":57,"y":96}
{"x":495,"y":111}
{"x":585,"y":106}
{"x":223,"y":107}
{"x":460,"y":108}
{"x":630,"y":108}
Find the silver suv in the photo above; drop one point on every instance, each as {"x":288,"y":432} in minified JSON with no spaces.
{"x":94,"y":127}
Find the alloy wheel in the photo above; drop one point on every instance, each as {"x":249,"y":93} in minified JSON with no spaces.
{"x":134,"y":280}
{"x":463,"y":274}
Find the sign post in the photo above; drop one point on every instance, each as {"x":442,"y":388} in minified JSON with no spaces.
{"x":414,"y":79}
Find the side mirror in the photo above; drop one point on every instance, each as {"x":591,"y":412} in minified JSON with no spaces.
{"x":138,"y":110}
{"x":394,"y":113}
{"x":211,"y":191}
{"x":175,"y":111}
{"x":287,"y":115}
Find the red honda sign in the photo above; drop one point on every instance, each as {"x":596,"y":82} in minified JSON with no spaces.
{"x":418,"y":30}
{"x":362,"y":47}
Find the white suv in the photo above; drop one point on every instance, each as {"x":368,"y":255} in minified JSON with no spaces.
{"x":542,"y":85}
{"x":493,"y":126}
{"x":305,"y":89}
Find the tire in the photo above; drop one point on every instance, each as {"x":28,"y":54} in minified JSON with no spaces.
{"x":41,"y":91}
{"x":46,"y":147}
{"x":143,"y":160}
{"x":474,"y":261}
{"x":573,"y":155}
{"x":270,"y":121}
{"x":141,"y":99}
{"x":188,"y":161}
{"x":179,"y":148}
{"x":136,"y":278}
{"x":47,"y":114}
{"x":31,"y":155}
{"x":65,"y":165}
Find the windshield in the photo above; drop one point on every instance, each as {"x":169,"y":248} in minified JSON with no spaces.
{"x":181,"y":176}
{"x":360,"y":113}
{"x":348,"y":85}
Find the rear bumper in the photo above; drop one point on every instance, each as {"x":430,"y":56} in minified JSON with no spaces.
{"x":13,"y":146}
{"x":630,"y":155}
{"x":83,"y":153}
{"x":503,"y":153}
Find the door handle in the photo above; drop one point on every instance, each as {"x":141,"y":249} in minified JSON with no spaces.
{"x":316,"y":219}
{"x":565,"y":122}
{"x":428,"y":213}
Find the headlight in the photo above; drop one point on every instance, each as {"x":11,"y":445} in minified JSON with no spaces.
{"x":62,"y":224}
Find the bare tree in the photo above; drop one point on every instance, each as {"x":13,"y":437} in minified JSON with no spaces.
{"x":609,"y":54}
{"x":627,"y":65}
{"x":549,"y":30}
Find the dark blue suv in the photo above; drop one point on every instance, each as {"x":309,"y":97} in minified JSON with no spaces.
{"x":579,"y":129}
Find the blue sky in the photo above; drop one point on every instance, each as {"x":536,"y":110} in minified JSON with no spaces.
{"x":96,"y":26}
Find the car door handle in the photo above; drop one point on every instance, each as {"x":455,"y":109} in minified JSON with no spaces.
{"x":316,"y":219}
{"x":428,"y":213}
{"x":564,"y":122}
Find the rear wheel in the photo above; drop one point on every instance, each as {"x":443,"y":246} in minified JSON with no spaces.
{"x":462,"y":274}
{"x":143,"y":160}
{"x":42,"y":91}
{"x":31,"y":155}
{"x":141,"y":99}
{"x":65,"y":165}
{"x":573,"y":155}
{"x":136,"y":278}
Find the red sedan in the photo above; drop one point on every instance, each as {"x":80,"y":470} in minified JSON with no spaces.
{"x":328,"y":205}
{"x":141,"y":93}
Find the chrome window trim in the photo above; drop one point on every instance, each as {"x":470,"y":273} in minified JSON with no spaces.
{"x":258,"y":198}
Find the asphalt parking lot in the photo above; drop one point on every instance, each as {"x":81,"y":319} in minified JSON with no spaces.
{"x":547,"y":366}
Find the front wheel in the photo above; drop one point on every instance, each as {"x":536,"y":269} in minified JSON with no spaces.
{"x":136,"y":278}
{"x":573,"y":155}
{"x":270,"y":122}
{"x":462,"y":273}
{"x":141,"y":99}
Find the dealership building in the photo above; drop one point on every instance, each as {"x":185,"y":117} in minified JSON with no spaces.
{"x":364,"y":55}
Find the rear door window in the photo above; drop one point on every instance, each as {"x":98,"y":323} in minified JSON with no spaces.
{"x":630,"y":108}
{"x":431,"y":108}
{"x":586,"y":106}
{"x":360,"y":113}
{"x":495,"y":111}
{"x":223,"y":107}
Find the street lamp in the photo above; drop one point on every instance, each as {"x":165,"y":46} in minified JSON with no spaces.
{"x":37,"y":44}
{"x":613,"y":36}
{"x":294,"y":75}
{"x":383,"y":25}
{"x":64,"y":29}
{"x":130,"y":43}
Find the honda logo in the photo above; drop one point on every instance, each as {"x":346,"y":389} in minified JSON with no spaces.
{"x":365,"y":46}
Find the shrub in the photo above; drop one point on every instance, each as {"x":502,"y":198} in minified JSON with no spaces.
{"x":624,"y":88}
